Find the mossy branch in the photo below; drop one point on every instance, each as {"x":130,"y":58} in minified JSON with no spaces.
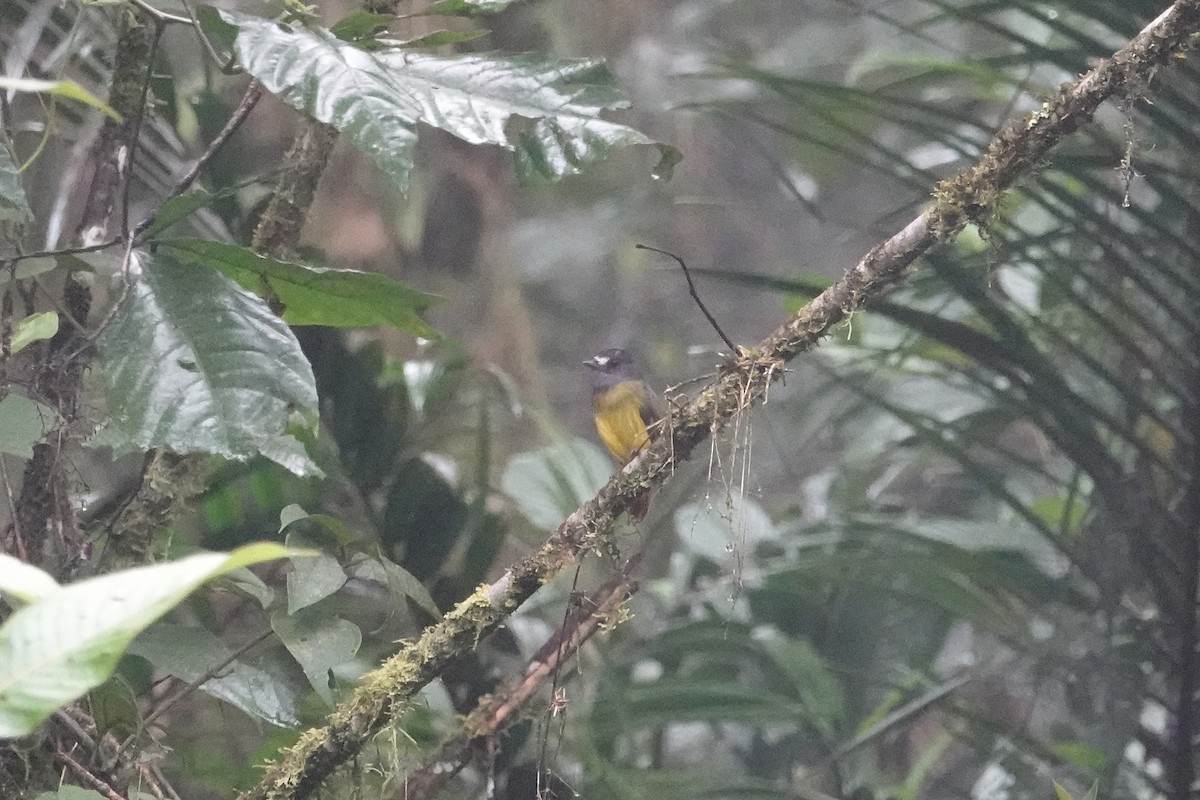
{"x":971,"y":196}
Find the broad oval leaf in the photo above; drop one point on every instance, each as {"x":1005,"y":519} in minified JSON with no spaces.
{"x":59,"y":647}
{"x":26,"y":267}
{"x":402,"y":583}
{"x":193,"y":653}
{"x":194,"y":364}
{"x":23,"y":422}
{"x":34,"y":328}
{"x":311,"y":579}
{"x":548,"y":113}
{"x":320,"y":642}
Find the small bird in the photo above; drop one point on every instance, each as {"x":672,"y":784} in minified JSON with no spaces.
{"x":625,"y":408}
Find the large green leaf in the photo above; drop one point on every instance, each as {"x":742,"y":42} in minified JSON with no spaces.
{"x":314,"y":296}
{"x":55,"y":649}
{"x":320,"y":642}
{"x":190,"y":654}
{"x":194,"y":364}
{"x":23,"y":422}
{"x":548,"y":114}
{"x":311,"y":579}
{"x":34,"y":328}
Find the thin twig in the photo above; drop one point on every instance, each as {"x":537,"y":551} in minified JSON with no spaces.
{"x":135,"y":131}
{"x":733,"y":348}
{"x":162,"y":17}
{"x":570,"y":607}
{"x":65,"y":251}
{"x":19,"y":540}
{"x":164,"y":783}
{"x":705,"y":378}
{"x":82,"y":736}
{"x":59,"y":308}
{"x":76,"y":728}
{"x":253,"y":94}
{"x":192,"y":686}
{"x":85,"y":775}
{"x":226,"y":67}
{"x":159,"y":787}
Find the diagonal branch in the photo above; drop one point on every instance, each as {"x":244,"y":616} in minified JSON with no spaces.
{"x":969,"y":197}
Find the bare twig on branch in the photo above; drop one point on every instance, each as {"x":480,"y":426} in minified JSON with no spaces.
{"x":61,"y":251}
{"x":498,"y":711}
{"x":687,"y":274}
{"x":250,"y":98}
{"x":87,"y":777}
{"x":191,"y":686}
{"x":971,"y":196}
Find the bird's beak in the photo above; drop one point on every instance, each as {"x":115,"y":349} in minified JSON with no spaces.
{"x":593,"y":363}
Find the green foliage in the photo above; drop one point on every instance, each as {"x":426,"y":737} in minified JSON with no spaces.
{"x":192,"y":363}
{"x":319,"y":643}
{"x":69,"y":640}
{"x":34,"y":328}
{"x":340,"y":298}
{"x":195,"y":655}
{"x":195,"y":353}
{"x":23,"y":422}
{"x":1017,"y":441}
{"x":180,"y":207}
{"x":69,"y":792}
{"x":1006,"y":446}
{"x":547,"y":114}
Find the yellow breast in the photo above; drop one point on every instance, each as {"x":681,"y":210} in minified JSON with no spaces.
{"x":619,"y":419}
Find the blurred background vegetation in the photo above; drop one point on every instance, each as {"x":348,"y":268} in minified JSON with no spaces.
{"x":955,"y":555}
